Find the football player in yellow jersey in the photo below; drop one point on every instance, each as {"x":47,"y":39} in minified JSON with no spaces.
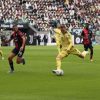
{"x":64,"y":43}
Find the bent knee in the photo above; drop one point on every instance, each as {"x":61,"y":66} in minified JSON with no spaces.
{"x":18,"y":61}
{"x":9,"y":58}
{"x":58,"y":58}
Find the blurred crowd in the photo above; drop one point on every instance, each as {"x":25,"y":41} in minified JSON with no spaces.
{"x":39,"y":13}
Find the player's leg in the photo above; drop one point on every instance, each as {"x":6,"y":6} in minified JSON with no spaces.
{"x":20,"y":58}
{"x":78,"y":53}
{"x":91,"y":52}
{"x":59,"y":58}
{"x":86,"y":47}
{"x":10,"y":59}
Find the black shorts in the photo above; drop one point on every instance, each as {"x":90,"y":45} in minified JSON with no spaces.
{"x":88,"y":46}
{"x":18,"y":52}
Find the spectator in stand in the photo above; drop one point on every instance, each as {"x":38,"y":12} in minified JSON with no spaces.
{"x":45,"y":39}
{"x":46,"y":11}
{"x":38,"y":39}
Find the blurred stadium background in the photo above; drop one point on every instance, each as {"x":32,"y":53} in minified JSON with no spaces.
{"x":35,"y":81}
{"x":33,"y":18}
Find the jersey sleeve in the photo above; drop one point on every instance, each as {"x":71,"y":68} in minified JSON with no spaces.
{"x":21,"y":34}
{"x":58,"y":38}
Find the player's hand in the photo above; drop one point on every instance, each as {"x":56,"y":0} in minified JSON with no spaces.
{"x":21,"y":49}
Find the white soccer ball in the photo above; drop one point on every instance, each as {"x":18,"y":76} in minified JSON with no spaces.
{"x":60,"y":73}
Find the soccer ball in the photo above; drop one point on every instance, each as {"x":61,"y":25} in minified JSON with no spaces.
{"x":60,"y":73}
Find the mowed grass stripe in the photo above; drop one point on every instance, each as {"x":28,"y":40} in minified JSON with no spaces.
{"x":35,"y":80}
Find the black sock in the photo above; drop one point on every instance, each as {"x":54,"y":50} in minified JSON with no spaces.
{"x":91,"y":53}
{"x":23,"y":61}
{"x":11,"y":66}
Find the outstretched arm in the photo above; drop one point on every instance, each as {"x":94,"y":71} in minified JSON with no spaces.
{"x":23,"y":43}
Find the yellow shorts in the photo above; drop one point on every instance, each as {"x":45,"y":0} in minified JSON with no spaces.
{"x":65,"y":53}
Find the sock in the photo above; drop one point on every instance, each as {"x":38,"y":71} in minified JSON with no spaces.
{"x":58,"y":62}
{"x":91,"y":54}
{"x":11,"y":66}
{"x":23,"y":61}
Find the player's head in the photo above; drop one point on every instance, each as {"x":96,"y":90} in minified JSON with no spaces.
{"x":54,"y":24}
{"x":15,"y":28}
{"x":86,"y":25}
{"x":63,"y":28}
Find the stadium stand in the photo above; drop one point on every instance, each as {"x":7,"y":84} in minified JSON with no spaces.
{"x":40,"y":12}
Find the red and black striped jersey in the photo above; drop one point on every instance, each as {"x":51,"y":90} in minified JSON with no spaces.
{"x":17,"y":38}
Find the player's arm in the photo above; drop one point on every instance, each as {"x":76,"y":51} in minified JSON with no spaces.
{"x":82,"y":34}
{"x":58,"y":42}
{"x":58,"y":39}
{"x":23,"y":42}
{"x":70,"y":42}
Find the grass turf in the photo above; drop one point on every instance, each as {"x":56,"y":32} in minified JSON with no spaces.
{"x":35,"y":81}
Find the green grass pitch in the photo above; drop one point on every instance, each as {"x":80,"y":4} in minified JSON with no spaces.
{"x":35,"y":80}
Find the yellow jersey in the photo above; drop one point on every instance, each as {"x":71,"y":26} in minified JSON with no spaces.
{"x":58,"y":34}
{"x":66,"y":41}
